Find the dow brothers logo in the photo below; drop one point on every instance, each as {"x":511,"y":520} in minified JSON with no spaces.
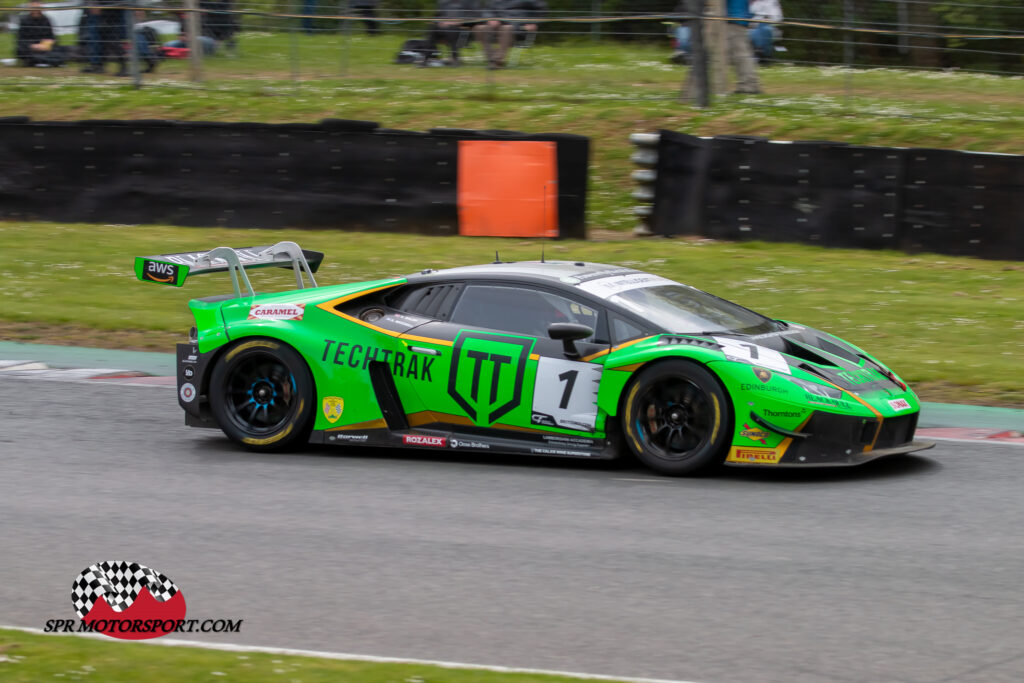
{"x":127,"y":600}
{"x":487,"y":373}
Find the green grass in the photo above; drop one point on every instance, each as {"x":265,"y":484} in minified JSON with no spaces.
{"x":603,"y":90}
{"x":953,"y":326}
{"x":26,"y":657}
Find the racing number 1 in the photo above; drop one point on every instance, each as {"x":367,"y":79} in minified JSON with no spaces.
{"x":565,"y":393}
{"x":569,"y":377}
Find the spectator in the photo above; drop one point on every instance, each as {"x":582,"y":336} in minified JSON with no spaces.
{"x":36,"y":44}
{"x":147,"y":42}
{"x":737,"y":40}
{"x":454,"y":19}
{"x":762,"y":36}
{"x":368,"y":10}
{"x":309,"y":10}
{"x":217,"y":26}
{"x":738,"y":45}
{"x":506,"y":20}
{"x":106,"y":32}
{"x":218,"y":22}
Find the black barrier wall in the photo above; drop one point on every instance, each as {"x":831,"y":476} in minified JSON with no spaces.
{"x":351,"y":175}
{"x":828,"y":193}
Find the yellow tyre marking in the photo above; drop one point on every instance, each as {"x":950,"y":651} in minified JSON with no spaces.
{"x":270,"y":439}
{"x":629,"y":416}
{"x":258,"y":343}
{"x":718,"y":418}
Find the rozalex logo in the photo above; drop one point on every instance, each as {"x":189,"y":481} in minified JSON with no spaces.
{"x":127,"y":600}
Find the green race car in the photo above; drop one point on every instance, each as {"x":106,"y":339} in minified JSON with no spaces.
{"x":565,"y":359}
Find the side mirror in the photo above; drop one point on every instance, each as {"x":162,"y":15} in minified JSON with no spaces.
{"x":569,"y":333}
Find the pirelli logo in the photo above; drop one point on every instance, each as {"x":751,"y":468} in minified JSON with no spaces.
{"x":755,"y":456}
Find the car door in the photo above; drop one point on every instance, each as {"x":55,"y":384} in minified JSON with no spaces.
{"x":494,"y":366}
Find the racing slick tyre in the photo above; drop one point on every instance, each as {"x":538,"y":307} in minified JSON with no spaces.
{"x":677,"y":418}
{"x":261,"y":394}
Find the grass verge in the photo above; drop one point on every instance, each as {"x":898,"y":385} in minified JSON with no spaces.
{"x":953,"y":326}
{"x":32,"y":657}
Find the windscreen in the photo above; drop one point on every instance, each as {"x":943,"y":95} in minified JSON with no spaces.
{"x":684,"y":310}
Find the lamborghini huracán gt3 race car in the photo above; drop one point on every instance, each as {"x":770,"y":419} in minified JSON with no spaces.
{"x":544,"y":358}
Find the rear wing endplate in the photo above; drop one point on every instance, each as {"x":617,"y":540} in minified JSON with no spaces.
{"x":173,"y":269}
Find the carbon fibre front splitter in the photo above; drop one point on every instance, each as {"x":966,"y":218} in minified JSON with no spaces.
{"x":830,"y":457}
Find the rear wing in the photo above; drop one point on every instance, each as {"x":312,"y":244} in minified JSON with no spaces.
{"x":173,"y":269}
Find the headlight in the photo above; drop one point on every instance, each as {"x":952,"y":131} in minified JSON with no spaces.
{"x":816,"y":389}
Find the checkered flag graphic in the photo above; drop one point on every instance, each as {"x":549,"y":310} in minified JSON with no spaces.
{"x":119,"y":583}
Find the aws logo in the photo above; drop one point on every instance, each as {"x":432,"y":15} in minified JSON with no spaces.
{"x":127,"y":600}
{"x":487,"y":374}
{"x":164,"y":273}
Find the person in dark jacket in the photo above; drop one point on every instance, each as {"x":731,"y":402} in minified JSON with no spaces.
{"x":504,"y":19}
{"x":454,"y":18}
{"x":368,"y":10}
{"x":107,"y":29}
{"x":36,"y":42}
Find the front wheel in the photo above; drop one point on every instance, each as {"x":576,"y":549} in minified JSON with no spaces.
{"x":677,"y":418}
{"x":261,"y":393}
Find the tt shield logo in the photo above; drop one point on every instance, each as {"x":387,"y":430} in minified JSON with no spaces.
{"x":165,"y":273}
{"x":487,"y":374}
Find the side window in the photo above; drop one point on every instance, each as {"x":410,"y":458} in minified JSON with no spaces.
{"x":430,"y":301}
{"x":623,"y":330}
{"x":520,"y":310}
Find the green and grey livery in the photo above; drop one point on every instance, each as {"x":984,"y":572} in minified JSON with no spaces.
{"x":566,"y":359}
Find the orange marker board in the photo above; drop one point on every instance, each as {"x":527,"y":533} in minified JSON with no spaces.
{"x":508,"y":189}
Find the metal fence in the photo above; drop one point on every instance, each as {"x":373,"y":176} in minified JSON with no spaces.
{"x":150,"y":41}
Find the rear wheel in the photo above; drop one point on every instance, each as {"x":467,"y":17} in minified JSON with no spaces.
{"x":677,"y":418}
{"x":261,"y":393}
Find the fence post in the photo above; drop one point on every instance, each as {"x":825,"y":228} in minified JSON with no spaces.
{"x":346,"y":30}
{"x":695,"y":88}
{"x":717,"y":38}
{"x":133,"y":48}
{"x":848,"y":54}
{"x":595,"y":28}
{"x":293,"y":48}
{"x":195,"y":48}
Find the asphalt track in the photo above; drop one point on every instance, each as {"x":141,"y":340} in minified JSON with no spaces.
{"x":909,"y":569}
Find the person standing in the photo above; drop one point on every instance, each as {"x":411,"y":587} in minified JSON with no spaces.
{"x":454,"y":18}
{"x":762,"y":34}
{"x":368,"y":10}
{"x":738,"y":46}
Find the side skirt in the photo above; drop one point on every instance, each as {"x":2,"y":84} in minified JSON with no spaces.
{"x":452,"y":438}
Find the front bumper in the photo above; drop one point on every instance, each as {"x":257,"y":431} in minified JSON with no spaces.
{"x":829,"y":439}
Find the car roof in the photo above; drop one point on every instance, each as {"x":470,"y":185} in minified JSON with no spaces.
{"x":560,"y":272}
